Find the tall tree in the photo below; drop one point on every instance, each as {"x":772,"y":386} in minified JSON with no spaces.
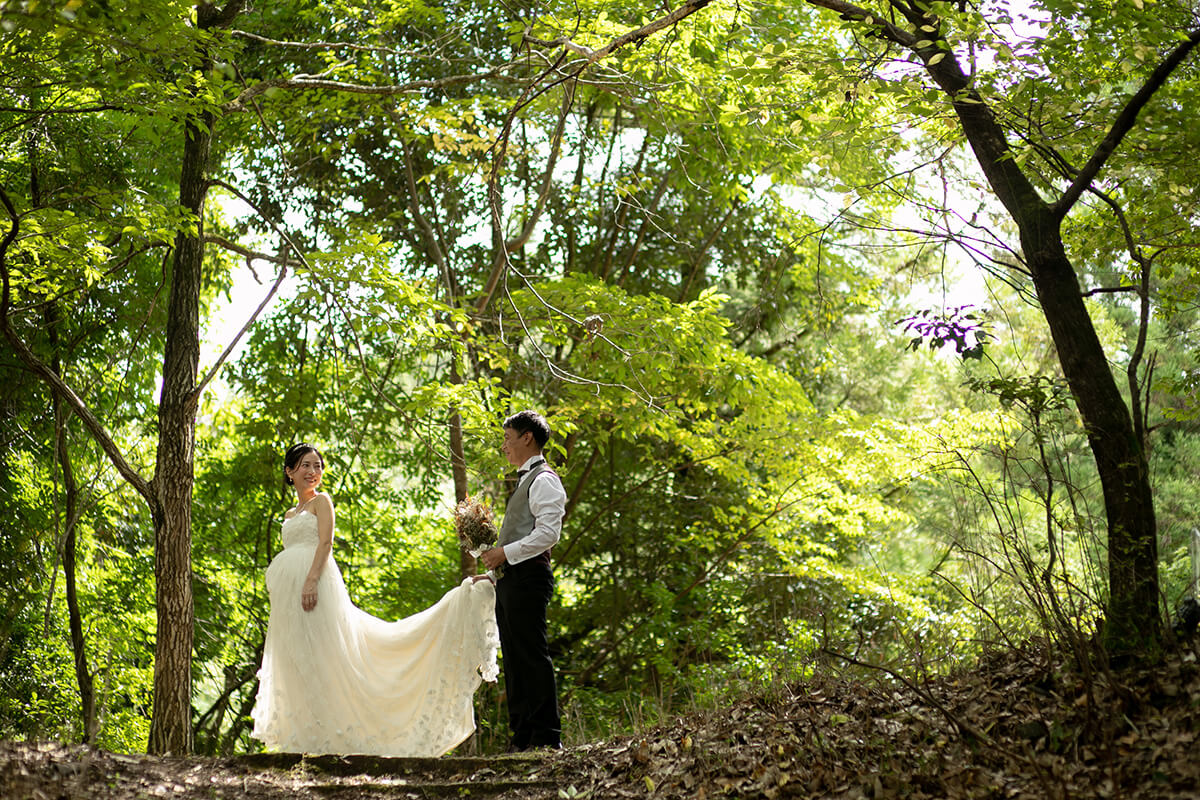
{"x":169,"y":492}
{"x":905,"y":50}
{"x":199,"y":92}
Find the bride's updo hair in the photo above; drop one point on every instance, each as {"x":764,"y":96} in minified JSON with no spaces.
{"x":293,"y":456}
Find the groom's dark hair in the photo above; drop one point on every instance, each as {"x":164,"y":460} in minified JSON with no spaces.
{"x":524,"y":422}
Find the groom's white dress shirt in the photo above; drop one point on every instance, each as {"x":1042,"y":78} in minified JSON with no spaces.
{"x":548,"y":504}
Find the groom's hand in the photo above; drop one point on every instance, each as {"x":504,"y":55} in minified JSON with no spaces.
{"x":494,"y":557}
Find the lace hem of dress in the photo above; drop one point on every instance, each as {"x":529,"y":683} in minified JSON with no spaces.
{"x":489,"y":669}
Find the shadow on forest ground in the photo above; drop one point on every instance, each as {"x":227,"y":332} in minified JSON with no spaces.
{"x":1019,"y":724}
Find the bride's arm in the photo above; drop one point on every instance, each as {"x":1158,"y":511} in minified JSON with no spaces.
{"x":321,"y":508}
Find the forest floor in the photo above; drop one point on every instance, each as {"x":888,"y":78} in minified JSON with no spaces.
{"x":1018,"y":725}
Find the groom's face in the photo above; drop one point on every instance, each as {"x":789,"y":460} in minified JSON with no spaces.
{"x":517,"y":447}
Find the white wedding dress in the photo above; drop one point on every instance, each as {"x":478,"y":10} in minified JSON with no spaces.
{"x":338,"y":680}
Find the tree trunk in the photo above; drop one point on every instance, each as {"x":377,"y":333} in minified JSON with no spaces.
{"x":171,"y":504}
{"x":240,"y":721}
{"x":171,"y":725}
{"x":467,"y":564}
{"x":1133,"y":624}
{"x":458,"y":466}
{"x":83,"y":675}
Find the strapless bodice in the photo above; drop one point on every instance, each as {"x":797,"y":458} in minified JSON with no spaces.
{"x":300,"y":531}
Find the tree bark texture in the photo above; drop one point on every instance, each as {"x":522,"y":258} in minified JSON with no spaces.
{"x":171,"y":725}
{"x":171,"y":504}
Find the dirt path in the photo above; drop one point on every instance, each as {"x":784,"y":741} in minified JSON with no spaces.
{"x":1016,"y":725}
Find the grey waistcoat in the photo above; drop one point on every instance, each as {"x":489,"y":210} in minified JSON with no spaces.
{"x":518,"y":519}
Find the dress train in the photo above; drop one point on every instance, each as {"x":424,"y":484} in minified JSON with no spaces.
{"x":338,"y":680}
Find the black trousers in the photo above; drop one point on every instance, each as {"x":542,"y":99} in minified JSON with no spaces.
{"x":522,"y":595}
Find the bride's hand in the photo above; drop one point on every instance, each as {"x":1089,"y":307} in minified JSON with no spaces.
{"x":308,"y":595}
{"x":478,"y":578}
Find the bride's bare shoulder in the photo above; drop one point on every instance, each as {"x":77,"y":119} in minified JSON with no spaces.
{"x":321,"y":500}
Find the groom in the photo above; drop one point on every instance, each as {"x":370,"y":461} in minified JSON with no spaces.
{"x":532,"y":525}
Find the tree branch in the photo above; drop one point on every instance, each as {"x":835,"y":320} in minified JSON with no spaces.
{"x":853,"y":13}
{"x":35,"y":114}
{"x":435,"y":250}
{"x":283,"y":262}
{"x":56,"y":384}
{"x":983,"y":132}
{"x":9,"y":238}
{"x":495,"y":201}
{"x":266,"y":218}
{"x":698,"y":260}
{"x":590,"y":58}
{"x":649,"y":29}
{"x":209,"y":16}
{"x":245,"y":252}
{"x":548,"y":181}
{"x":649,"y":216}
{"x":609,"y":250}
{"x":1123,"y":124}
{"x":1109,"y":290}
{"x":281,"y":259}
{"x":326,"y":45}
{"x":956,"y":722}
{"x":505,"y":247}
{"x":1145,"y":264}
{"x":333,"y":296}
{"x":301,"y":82}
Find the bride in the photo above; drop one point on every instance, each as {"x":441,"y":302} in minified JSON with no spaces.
{"x":335,"y":679}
